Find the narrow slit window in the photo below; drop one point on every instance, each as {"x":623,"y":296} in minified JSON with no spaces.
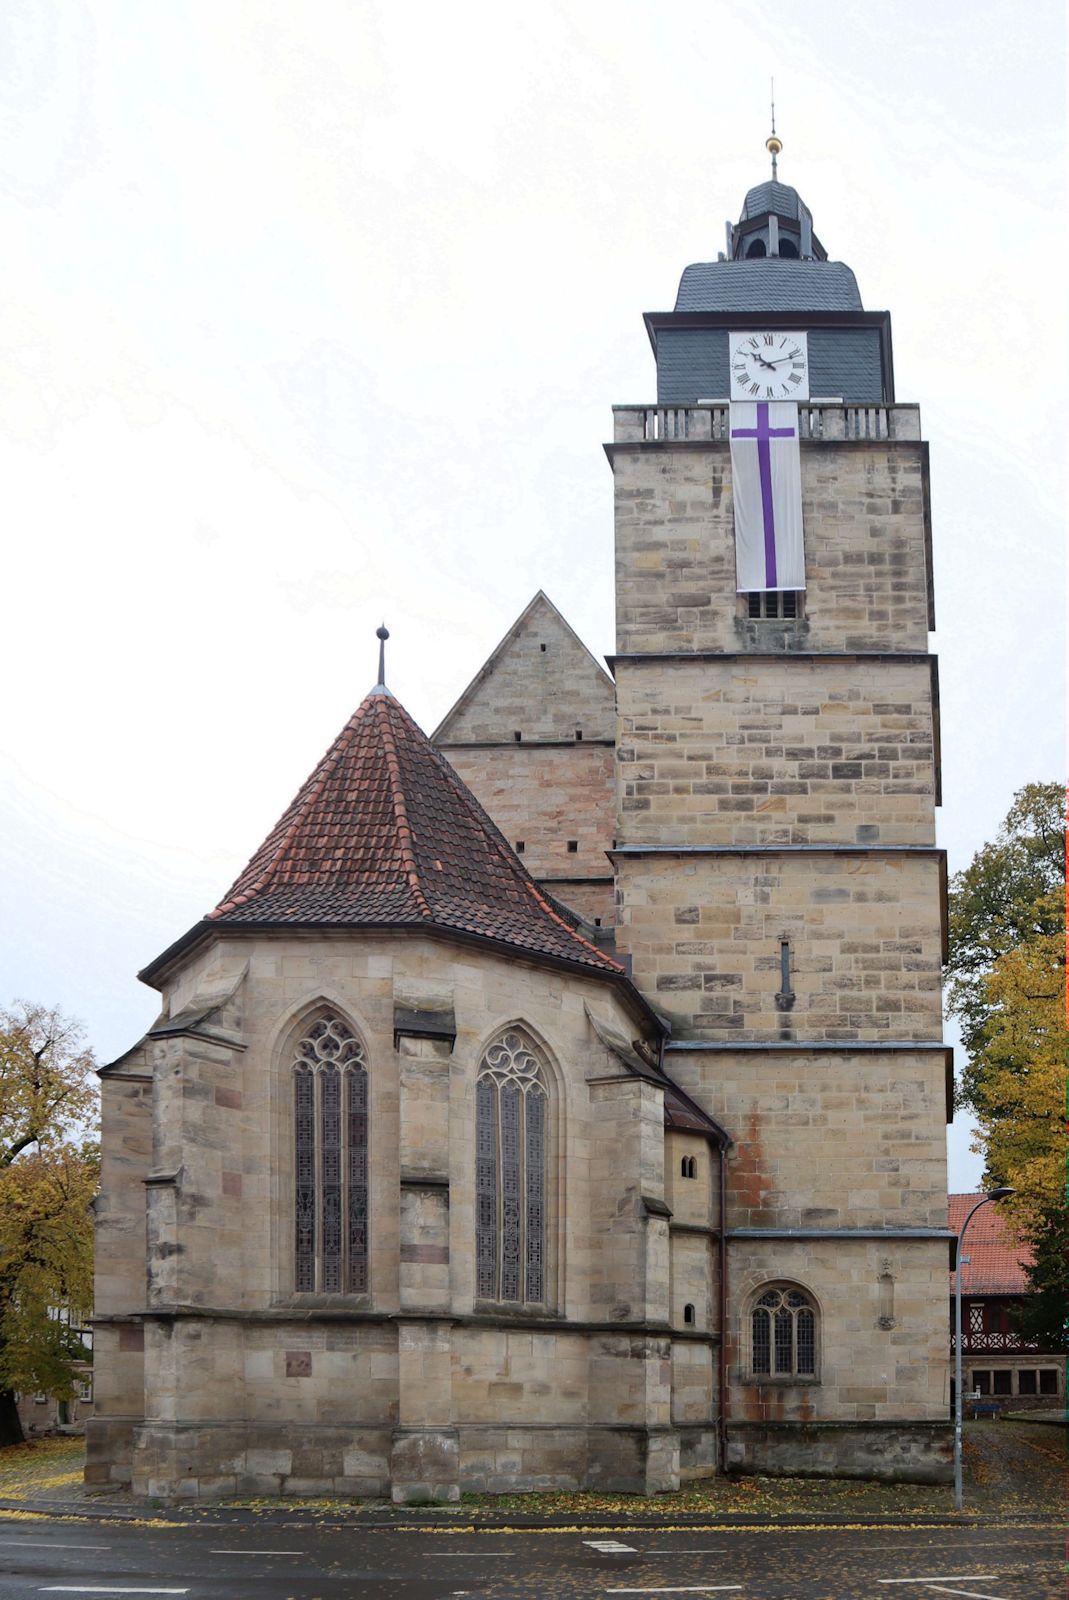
{"x":573,"y":847}
{"x":689,"y":1315}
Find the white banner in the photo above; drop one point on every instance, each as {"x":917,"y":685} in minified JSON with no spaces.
{"x":766,"y":472}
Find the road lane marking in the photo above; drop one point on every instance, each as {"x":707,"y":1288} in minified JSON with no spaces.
{"x":256,"y":1552}
{"x":972,"y":1592}
{"x":944,"y":1577}
{"x":690,"y":1588}
{"x":50,"y":1544}
{"x":611,"y":1547}
{"x":703,"y":1551}
{"x":102,"y":1588}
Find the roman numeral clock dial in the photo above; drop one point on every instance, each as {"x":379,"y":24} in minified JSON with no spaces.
{"x":769,"y":366}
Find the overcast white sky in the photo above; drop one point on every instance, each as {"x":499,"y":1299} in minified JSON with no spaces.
{"x":314,"y":315}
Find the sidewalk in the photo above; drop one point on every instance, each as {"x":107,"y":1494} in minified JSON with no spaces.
{"x":1014,"y":1472}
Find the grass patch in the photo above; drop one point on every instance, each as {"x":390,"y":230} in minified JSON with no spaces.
{"x":40,"y":1466}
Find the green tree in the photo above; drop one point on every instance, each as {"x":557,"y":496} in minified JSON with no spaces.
{"x":1007,"y":989}
{"x":48,"y":1175}
{"x":1043,"y":1317}
{"x":1011,"y":893}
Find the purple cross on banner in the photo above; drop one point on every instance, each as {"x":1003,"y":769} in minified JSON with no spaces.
{"x":767,"y":489}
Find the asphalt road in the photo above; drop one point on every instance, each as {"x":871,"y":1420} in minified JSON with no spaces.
{"x":302,"y":1562}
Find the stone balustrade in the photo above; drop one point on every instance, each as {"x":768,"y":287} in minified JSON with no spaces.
{"x":817,"y":423}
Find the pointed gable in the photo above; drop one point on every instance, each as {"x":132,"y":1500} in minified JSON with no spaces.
{"x":384,"y":834}
{"x":541,"y":682}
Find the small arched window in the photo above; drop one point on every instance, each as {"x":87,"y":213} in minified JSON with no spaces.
{"x":689,"y":1315}
{"x":688,"y":1167}
{"x":330,"y":1136}
{"x":788,"y":249}
{"x":511,"y":1115}
{"x":783,"y":1326}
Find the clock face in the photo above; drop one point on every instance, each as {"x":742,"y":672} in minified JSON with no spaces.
{"x":769,"y":366}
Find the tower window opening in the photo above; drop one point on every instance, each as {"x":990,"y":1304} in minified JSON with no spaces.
{"x":542,"y":648}
{"x":573,"y":846}
{"x":688,"y":1167}
{"x":788,"y":249}
{"x":520,"y":847}
{"x":756,"y":247}
{"x":578,"y":735}
{"x":689,"y":1315}
{"x":768,"y":605}
{"x":518,"y":736}
{"x":783,"y":1330}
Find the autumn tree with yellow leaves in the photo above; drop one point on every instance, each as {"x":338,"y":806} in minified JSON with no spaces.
{"x":1007,"y":988}
{"x":48,"y":1175}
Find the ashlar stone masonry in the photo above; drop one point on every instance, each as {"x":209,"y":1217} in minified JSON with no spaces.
{"x":560,"y":1102}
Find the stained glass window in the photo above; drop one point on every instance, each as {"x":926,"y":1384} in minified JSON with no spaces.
{"x":331,"y":1165}
{"x":510,"y":1173}
{"x":783,"y":1330}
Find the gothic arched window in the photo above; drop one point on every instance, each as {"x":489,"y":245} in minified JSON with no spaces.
{"x":783,"y":1326}
{"x":511,"y":1106}
{"x":330,"y":1104}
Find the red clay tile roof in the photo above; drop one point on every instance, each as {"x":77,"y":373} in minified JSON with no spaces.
{"x":385,"y":833}
{"x":996,"y":1265}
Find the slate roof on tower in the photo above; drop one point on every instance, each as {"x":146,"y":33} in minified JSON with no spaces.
{"x":768,"y":284}
{"x":383,"y":833}
{"x":772,"y":196}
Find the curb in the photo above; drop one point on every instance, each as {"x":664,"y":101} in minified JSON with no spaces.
{"x":414,"y":1520}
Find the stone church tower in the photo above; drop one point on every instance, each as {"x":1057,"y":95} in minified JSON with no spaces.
{"x":561,"y":1103}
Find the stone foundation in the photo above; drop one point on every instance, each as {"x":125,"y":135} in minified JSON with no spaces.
{"x":902,"y":1452}
{"x":197,"y":1461}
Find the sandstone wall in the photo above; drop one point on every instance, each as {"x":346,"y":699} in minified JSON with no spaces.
{"x":776,"y":751}
{"x":864,"y":513}
{"x":864,"y":933}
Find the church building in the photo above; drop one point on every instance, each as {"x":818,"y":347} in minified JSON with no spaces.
{"x":559,"y":1101}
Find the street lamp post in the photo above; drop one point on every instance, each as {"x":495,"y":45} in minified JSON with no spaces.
{"x":996,"y":1194}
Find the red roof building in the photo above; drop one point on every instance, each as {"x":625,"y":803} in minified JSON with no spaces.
{"x":994,"y":1264}
{"x":999,"y":1368}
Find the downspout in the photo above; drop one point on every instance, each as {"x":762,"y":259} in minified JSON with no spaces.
{"x":722,"y":1247}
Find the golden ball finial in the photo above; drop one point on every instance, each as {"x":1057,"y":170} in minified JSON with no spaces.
{"x":773,"y":145}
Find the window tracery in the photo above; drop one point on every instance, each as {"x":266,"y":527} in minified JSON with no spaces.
{"x":511,"y":1117}
{"x":783,"y":1328}
{"x":330,"y":1089}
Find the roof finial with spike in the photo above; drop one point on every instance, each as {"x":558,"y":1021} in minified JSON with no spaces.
{"x":773,"y":144}
{"x":382,"y":633}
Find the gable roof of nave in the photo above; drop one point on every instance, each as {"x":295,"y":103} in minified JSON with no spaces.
{"x":541,"y":680}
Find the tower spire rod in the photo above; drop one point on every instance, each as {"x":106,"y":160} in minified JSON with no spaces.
{"x":773,"y":144}
{"x":382,"y":633}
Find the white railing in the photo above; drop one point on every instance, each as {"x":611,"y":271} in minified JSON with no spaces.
{"x":977,"y":1339}
{"x":823,"y":423}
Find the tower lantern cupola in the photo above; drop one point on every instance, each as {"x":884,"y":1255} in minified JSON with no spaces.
{"x":775,"y":221}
